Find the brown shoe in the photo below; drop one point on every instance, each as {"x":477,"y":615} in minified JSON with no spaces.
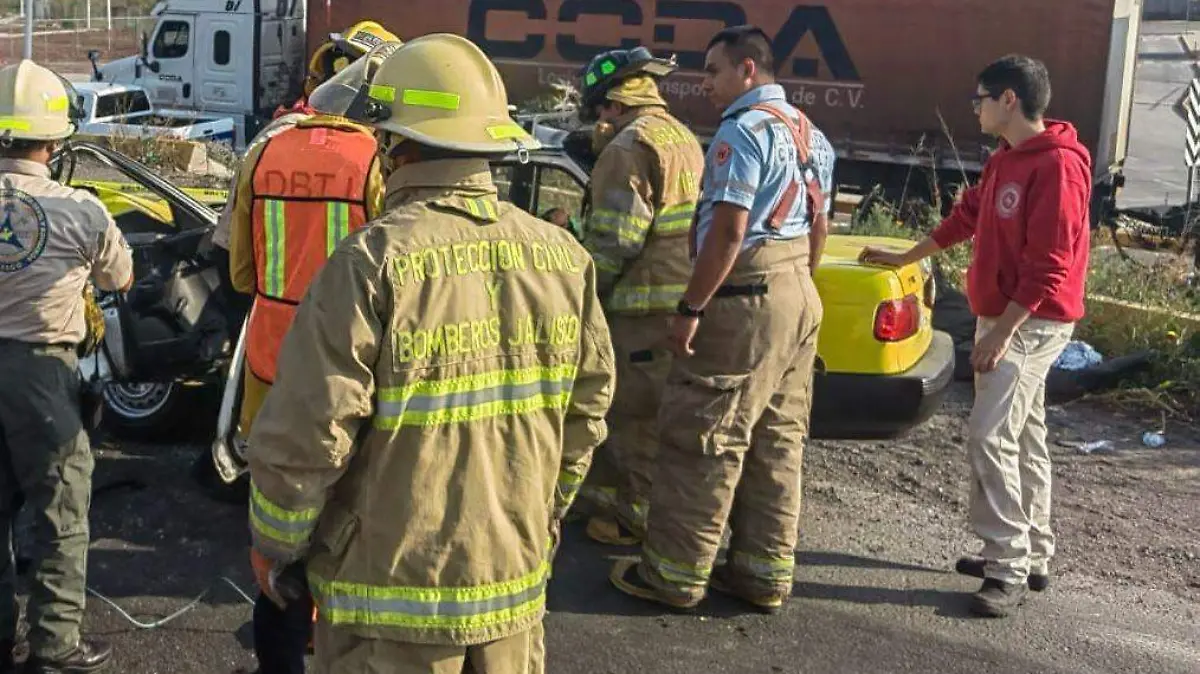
{"x":725,"y":581}
{"x":609,"y":531}
{"x":975,"y":566}
{"x":626,"y":577}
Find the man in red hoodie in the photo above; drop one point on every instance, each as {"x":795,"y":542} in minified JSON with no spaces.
{"x":1028,"y":216}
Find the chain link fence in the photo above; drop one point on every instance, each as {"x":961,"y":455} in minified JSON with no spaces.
{"x":63,"y":44}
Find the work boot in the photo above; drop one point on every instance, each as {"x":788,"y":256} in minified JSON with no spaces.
{"x":628,"y":579}
{"x":974,"y":566}
{"x":610,"y":531}
{"x":998,"y":599}
{"x":88,"y":656}
{"x":725,"y":581}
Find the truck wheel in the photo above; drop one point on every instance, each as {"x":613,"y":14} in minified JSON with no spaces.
{"x":143,"y":411}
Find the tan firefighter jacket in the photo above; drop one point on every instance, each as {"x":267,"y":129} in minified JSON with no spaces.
{"x":644,"y":190}
{"x":437,"y":404}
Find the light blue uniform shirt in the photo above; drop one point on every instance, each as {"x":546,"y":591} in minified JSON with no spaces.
{"x":752,"y":160}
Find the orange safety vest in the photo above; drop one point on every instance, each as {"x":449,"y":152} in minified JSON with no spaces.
{"x":310,"y":192}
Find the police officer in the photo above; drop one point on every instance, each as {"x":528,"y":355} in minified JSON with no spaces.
{"x":643,"y":194}
{"x":438,"y":398}
{"x":52,"y":239}
{"x":735,"y":413}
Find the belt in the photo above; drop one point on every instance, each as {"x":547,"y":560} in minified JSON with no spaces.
{"x":748,"y":290}
{"x":16,"y":343}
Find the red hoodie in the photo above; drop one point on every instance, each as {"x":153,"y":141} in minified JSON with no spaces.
{"x":1029,"y":217}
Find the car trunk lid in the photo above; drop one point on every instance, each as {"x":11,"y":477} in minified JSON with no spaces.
{"x":877,"y":320}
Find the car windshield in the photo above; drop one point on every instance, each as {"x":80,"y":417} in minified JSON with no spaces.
{"x":122,"y":103}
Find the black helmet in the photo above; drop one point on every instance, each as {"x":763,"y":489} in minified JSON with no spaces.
{"x":607,"y":70}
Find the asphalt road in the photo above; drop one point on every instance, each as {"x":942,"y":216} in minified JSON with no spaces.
{"x":873,"y":594}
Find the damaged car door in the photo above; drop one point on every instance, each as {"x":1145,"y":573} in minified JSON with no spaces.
{"x":170,"y":329}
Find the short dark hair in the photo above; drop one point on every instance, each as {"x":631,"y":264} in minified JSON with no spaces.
{"x":747,"y":42}
{"x":21,"y":148}
{"x":1026,"y":76}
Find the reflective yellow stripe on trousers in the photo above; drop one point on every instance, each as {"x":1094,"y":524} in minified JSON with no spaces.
{"x":458,"y":608}
{"x":771,"y":570}
{"x":476,"y":396}
{"x":275,"y":229}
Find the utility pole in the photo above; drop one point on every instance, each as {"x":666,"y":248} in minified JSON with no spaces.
{"x":28,"y":51}
{"x":108,"y":13}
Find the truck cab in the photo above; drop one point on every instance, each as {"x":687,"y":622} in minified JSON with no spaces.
{"x":241,"y":58}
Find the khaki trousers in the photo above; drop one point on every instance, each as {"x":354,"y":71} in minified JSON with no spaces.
{"x":733,"y":422}
{"x":643,"y":363}
{"x":1008,"y":454}
{"x":342,"y":652}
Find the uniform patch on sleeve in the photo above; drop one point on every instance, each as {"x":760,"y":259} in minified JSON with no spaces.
{"x":722,"y":153}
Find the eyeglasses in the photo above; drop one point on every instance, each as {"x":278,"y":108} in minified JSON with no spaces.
{"x":977,"y":100}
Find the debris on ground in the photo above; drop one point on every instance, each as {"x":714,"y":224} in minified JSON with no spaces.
{"x":1096,"y":446}
{"x":1154,"y":439}
{"x":1078,"y":355}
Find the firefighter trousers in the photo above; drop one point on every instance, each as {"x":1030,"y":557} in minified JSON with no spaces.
{"x":341,"y":651}
{"x":643,"y":362}
{"x":733,"y":423}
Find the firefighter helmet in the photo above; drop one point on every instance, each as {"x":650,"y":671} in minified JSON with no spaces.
{"x":36,"y":103}
{"x":442,"y":91}
{"x":335,"y":96}
{"x":608,"y":69}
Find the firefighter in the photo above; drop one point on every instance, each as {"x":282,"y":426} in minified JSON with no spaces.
{"x":735,"y":412}
{"x":308,"y":187}
{"x":438,"y":398}
{"x":324,"y":65}
{"x":643,"y":194}
{"x":53,"y":239}
{"x":338,"y":52}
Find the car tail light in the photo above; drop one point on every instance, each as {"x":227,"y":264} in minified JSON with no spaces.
{"x":897,"y":320}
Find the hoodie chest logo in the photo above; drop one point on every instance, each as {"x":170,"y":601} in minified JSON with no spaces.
{"x":1008,"y":200}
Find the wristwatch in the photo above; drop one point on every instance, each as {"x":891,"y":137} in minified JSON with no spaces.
{"x":685,"y":309}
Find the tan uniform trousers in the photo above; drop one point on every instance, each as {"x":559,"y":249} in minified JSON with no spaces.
{"x":618,"y":483}
{"x":733,"y":423}
{"x":643,"y":363}
{"x":1009,"y":457}
{"x":342,"y":652}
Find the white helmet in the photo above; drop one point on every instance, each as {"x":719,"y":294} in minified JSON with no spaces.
{"x":35,"y":103}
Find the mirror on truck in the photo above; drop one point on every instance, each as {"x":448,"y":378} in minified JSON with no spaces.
{"x":154,"y":66}
{"x":94,"y":56}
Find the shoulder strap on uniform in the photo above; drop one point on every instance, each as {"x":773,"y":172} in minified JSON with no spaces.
{"x":482,"y":209}
{"x":800,"y":129}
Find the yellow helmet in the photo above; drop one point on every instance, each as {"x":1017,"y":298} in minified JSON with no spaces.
{"x":342,"y":49}
{"x":35,"y":103}
{"x":336,"y":94}
{"x":441,"y":90}
{"x":361,"y":38}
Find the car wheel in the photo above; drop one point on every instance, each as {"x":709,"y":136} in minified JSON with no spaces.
{"x":145,"y":410}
